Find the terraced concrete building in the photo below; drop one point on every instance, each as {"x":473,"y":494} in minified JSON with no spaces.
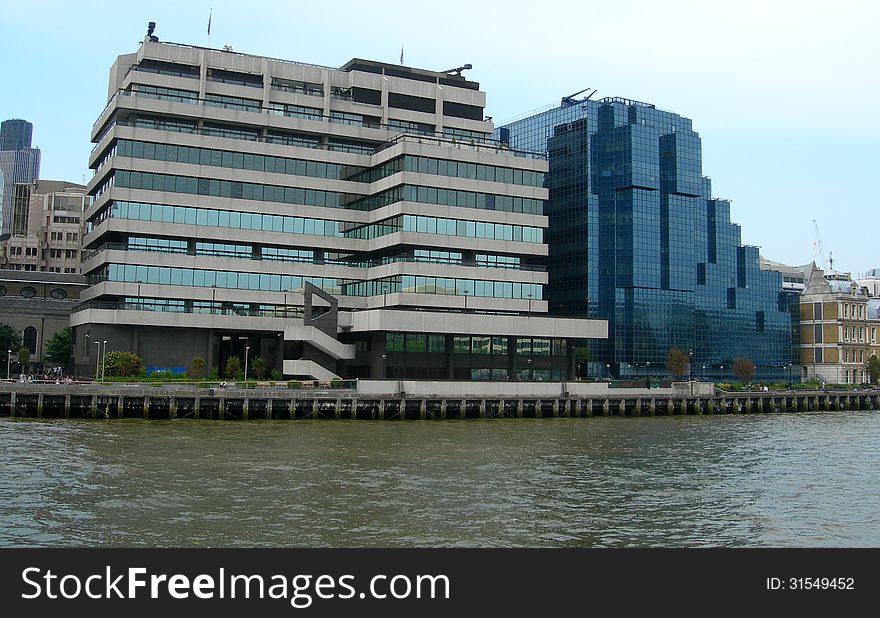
{"x":353,"y":222}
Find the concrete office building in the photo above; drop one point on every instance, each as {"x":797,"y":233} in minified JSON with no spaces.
{"x":353,"y":222}
{"x":47,"y":220}
{"x":636,"y":237}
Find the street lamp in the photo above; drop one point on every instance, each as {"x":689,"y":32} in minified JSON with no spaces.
{"x":531,"y":371}
{"x":103,"y":358}
{"x":789,"y":376}
{"x":8,"y":362}
{"x":384,"y":366}
{"x":247,"y":349}
{"x":140,"y":302}
{"x":703,"y":377}
{"x":608,"y":370}
{"x":722,"y":373}
{"x":691,"y":365}
{"x":98,"y":361}
{"x":530,"y":305}
{"x":465,"y":292}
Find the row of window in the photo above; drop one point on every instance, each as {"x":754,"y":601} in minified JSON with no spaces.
{"x":30,"y":292}
{"x":477,"y":344}
{"x":233,"y":160}
{"x":448,"y":286}
{"x":453,"y":169}
{"x":280,"y":283}
{"x":448,"y":227}
{"x":449,"y":197}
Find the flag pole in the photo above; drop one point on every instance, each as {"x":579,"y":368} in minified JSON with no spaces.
{"x":210,"y":14}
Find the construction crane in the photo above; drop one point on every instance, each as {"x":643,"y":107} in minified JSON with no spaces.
{"x":570,"y":99}
{"x":817,"y":246}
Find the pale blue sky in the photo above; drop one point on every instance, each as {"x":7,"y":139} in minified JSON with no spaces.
{"x":783,"y":93}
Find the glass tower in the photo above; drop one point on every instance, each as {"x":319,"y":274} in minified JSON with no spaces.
{"x":636,"y":237}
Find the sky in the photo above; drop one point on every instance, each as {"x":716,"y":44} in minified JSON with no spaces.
{"x":784,"y":94}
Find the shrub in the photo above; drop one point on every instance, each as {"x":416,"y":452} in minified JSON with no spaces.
{"x":122,"y":364}
{"x":233,"y":367}
{"x":294,"y":384}
{"x":276,"y":375}
{"x":336,"y":383}
{"x":197,"y":368}
{"x":677,"y":362}
{"x":259,"y":368}
{"x":743,"y":368}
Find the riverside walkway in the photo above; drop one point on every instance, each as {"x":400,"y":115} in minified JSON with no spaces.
{"x":399,"y":400}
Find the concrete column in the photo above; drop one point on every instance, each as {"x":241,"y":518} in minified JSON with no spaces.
{"x":482,"y":408}
{"x":67,"y":406}
{"x":443,"y":409}
{"x":119,"y":403}
{"x":12,"y":404}
{"x":244,"y":408}
{"x":652,"y":407}
{"x":555,"y":408}
{"x":172,"y":407}
{"x":40,"y":405}
{"x":94,"y":406}
{"x":146,"y":407}
{"x":519,"y":408}
{"x":221,"y":413}
{"x":381,"y":409}
{"x":338,"y":413}
{"x":196,"y":403}
{"x":606,"y":407}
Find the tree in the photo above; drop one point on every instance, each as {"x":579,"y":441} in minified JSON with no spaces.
{"x":233,"y":367}
{"x":122,"y":364}
{"x":744,"y":369}
{"x":60,"y":347}
{"x":873,"y":366}
{"x":197,"y":368}
{"x":259,"y":368}
{"x":9,"y":340}
{"x":24,"y":357}
{"x":582,"y":356}
{"x":676,"y":362}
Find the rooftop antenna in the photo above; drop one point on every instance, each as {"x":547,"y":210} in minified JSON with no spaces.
{"x":817,"y":245}
{"x":458,"y":70}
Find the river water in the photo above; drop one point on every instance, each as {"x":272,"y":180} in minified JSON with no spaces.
{"x":780,"y":480}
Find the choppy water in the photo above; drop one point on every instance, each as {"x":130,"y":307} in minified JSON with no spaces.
{"x":760,"y":480}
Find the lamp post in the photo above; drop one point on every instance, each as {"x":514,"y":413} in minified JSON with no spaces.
{"x":531,"y":371}
{"x":722,"y":373}
{"x":789,"y":376}
{"x":465,"y":292}
{"x":98,"y":361}
{"x":608,"y":370}
{"x":140,"y":302}
{"x":384,"y":366}
{"x":385,"y":295}
{"x":691,"y":365}
{"x":703,"y":377}
{"x":213,"y":298}
{"x":530,"y":305}
{"x":103,"y":359}
{"x":8,"y":362}
{"x":247,"y":349}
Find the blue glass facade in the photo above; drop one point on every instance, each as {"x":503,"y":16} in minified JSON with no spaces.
{"x":636,"y":237}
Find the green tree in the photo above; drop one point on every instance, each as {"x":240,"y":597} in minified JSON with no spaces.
{"x":233,"y":367}
{"x":744,"y":369}
{"x":122,"y":364}
{"x":60,"y":347}
{"x":676,"y":362}
{"x":259,"y":368}
{"x":873,"y":366}
{"x":197,"y":368}
{"x":24,"y":357}
{"x":9,"y":340}
{"x":582,"y":356}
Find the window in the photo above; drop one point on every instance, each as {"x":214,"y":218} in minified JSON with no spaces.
{"x":817,"y":311}
{"x":817,"y":333}
{"x":461,"y":345}
{"x":58,"y":294}
{"x":28,"y":292}
{"x":818,"y":355}
{"x":394,"y":342}
{"x":29,"y":339}
{"x":416,"y":343}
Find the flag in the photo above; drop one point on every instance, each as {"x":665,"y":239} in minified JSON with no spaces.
{"x":209,"y":21}
{"x":401,"y":54}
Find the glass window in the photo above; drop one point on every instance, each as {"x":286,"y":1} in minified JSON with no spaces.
{"x":394,"y":342}
{"x":436,"y":343}
{"x":480,"y":345}
{"x":461,"y":345}
{"x":416,"y":342}
{"x":499,"y":345}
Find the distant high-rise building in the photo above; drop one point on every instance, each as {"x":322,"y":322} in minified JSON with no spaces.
{"x":15,"y":134}
{"x":19,"y":164}
{"x":636,"y":237}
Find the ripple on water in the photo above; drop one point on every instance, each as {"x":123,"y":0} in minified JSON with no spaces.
{"x":758,"y":480}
